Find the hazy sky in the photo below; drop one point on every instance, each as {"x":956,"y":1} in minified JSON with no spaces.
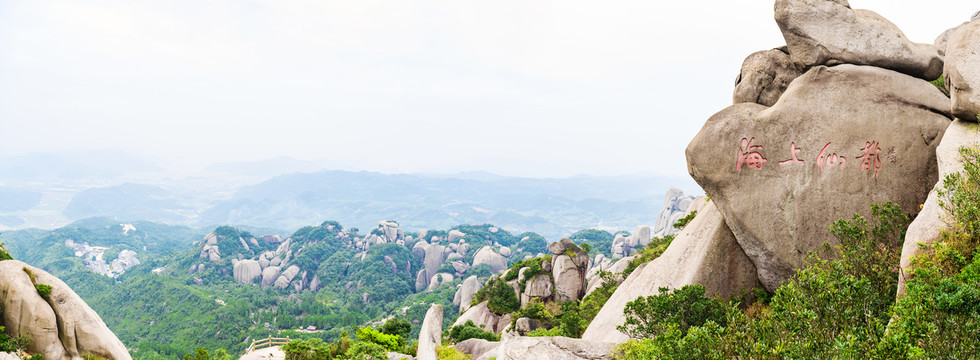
{"x":532,"y":88}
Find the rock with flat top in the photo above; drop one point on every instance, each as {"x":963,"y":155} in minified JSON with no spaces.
{"x":829,"y":32}
{"x":553,"y":348}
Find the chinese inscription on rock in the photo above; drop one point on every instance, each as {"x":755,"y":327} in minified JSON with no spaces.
{"x":750,"y":155}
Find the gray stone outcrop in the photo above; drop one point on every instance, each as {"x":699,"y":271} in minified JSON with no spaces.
{"x":675,"y":206}
{"x":246,"y":271}
{"x":488,"y":256}
{"x":553,"y":348}
{"x":829,"y":32}
{"x":704,"y":253}
{"x":764,"y":77}
{"x":465,"y":293}
{"x":62,"y":326}
{"x":430,"y":335}
{"x":925,"y":228}
{"x":962,"y":71}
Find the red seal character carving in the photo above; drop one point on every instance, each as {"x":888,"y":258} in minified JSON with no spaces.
{"x":870,"y":159}
{"x":829,"y":159}
{"x":749,"y":155}
{"x":793,"y":150}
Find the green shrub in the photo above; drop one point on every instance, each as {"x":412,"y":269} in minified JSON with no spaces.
{"x":546,"y":332}
{"x":448,"y":353}
{"x":396,"y":326}
{"x":499,"y":295}
{"x":940,"y":315}
{"x":836,"y":307}
{"x":469,"y":330}
{"x":592,"y":303}
{"x":387,"y":341}
{"x":682,"y":222}
{"x":652,"y":251}
{"x":9,"y":344}
{"x":363,"y":350}
{"x":4,"y":254}
{"x":44,"y":290}
{"x":538,"y":311}
{"x":671,"y":310}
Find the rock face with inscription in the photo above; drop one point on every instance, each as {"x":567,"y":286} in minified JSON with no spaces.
{"x":839,"y":139}
{"x":829,"y":32}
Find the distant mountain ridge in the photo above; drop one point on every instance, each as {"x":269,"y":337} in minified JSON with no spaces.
{"x":552,"y":207}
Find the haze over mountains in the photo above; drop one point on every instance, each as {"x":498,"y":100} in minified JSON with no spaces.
{"x":51,"y":190}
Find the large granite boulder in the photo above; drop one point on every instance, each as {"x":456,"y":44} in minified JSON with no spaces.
{"x":286,"y":277}
{"x":435,"y":256}
{"x":963,"y":71}
{"x":553,"y":348}
{"x":62,"y":326}
{"x":246,"y":270}
{"x":705,"y":253}
{"x":269,"y":275}
{"x":839,"y":139}
{"x":465,"y":293}
{"x":829,"y":32}
{"x":477,"y":347}
{"x":455,"y":235}
{"x":430,"y":335}
{"x":539,"y":287}
{"x":439,"y":279}
{"x":764,"y":77}
{"x":481,"y":316}
{"x":487,"y":256}
{"x":925,"y":228}
{"x":569,"y":279}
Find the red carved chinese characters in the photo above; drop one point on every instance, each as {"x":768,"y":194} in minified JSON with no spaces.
{"x":829,"y":160}
{"x":792,"y":150}
{"x":749,"y":155}
{"x":870,"y":159}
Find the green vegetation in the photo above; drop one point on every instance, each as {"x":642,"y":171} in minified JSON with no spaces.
{"x":9,"y":344}
{"x":676,"y":310}
{"x":682,"y":222}
{"x":4,"y":254}
{"x":599,"y":241}
{"x":199,"y":354}
{"x":534,"y":266}
{"x":940,"y":84}
{"x":469,"y":330}
{"x":652,"y":251}
{"x":448,"y":353}
{"x":837,"y":306}
{"x":499,"y":295}
{"x":44,"y":290}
